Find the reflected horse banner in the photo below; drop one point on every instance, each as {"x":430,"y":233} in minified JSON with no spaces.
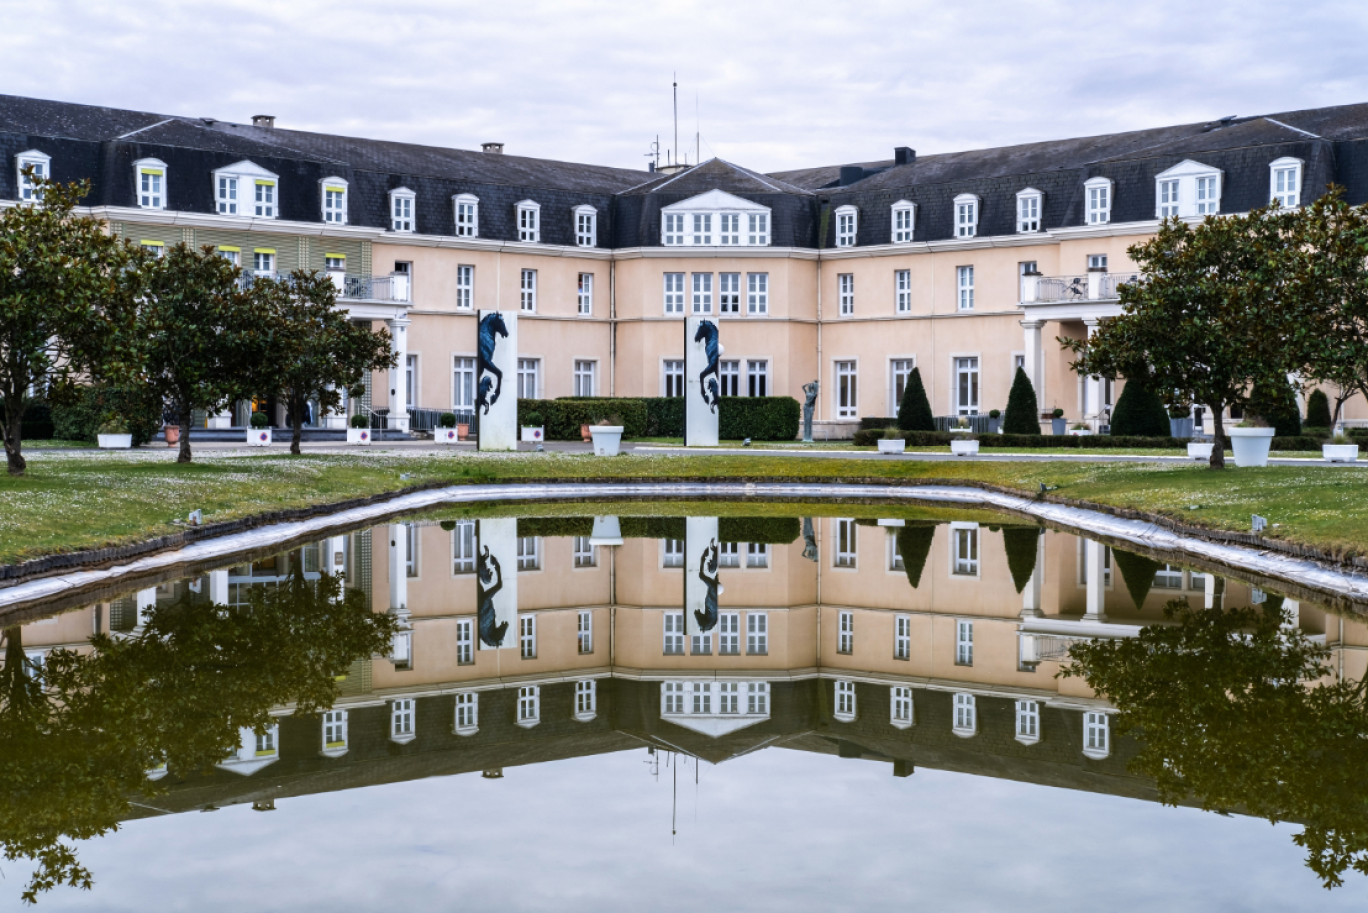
{"x":702,"y":381}
{"x":496,"y":380}
{"x":496,"y":582}
{"x":702,"y":562}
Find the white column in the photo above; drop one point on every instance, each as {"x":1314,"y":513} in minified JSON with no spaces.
{"x":1035,"y":358}
{"x":218,"y":587}
{"x":398,"y":398}
{"x":147,"y":601}
{"x":1093,"y":385}
{"x":1094,"y":554}
{"x":398,"y":566}
{"x":1215,"y":592}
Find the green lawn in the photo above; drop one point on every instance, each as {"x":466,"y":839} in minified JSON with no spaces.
{"x":72,"y":501}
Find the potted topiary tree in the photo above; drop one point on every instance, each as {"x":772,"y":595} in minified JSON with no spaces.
{"x":1180,"y":420}
{"x":259,"y":432}
{"x":892,"y":441}
{"x":359,"y":430}
{"x":994,"y":421}
{"x":964,"y":443}
{"x":113,"y":434}
{"x":447,"y":432}
{"x":607,"y":436}
{"x":1058,"y":424}
{"x":532,"y":430}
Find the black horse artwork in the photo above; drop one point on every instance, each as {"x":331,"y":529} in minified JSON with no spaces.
{"x":707,"y":572}
{"x":708,"y":387}
{"x":487,"y":570}
{"x":490,"y":377}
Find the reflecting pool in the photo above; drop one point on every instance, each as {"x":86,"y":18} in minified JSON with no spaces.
{"x":751,"y":706}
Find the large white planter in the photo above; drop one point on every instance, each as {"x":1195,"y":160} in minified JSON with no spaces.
{"x":1199,"y":451}
{"x":360,"y":436}
{"x":896,"y":445}
{"x":115,"y":441}
{"x":531,"y":434}
{"x":446,"y":435}
{"x":1339,"y":453}
{"x":1080,"y":432}
{"x":964,"y":448}
{"x":258,"y":437}
{"x":1250,"y":446}
{"x":607,"y":439}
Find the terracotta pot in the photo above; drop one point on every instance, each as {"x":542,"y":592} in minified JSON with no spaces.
{"x":172,"y":433}
{"x":462,"y":431}
{"x":585,"y":433}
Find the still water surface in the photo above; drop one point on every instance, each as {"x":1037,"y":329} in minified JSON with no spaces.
{"x":852,"y":713}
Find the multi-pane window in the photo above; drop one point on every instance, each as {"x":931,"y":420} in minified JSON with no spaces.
{"x":529,"y":221}
{"x":966,"y":216}
{"x":151,"y":175}
{"x":1168,"y":577}
{"x":586,"y":226}
{"x":674,"y":293}
{"x":899,"y":370}
{"x":674,"y":378}
{"x":1097,"y":261}
{"x":902,"y":291}
{"x":729,"y":634}
{"x":38,"y":163}
{"x":263,"y":262}
{"x":964,"y":642}
{"x":232,"y":254}
{"x":729,"y":293}
{"x":527,"y":635}
{"x":967,"y":386}
{"x":702,"y":698}
{"x":585,"y":555}
{"x":757,"y":294}
{"x":226,"y":195}
{"x":467,"y":216}
{"x":728,"y":554}
{"x":729,"y":376}
{"x":465,"y":287}
{"x":527,"y":292}
{"x":264,"y":201}
{"x":586,"y":698}
{"x":757,"y":698}
{"x":156,"y":248}
{"x":845,"y":544}
{"x":847,"y":402}
{"x":845,"y":293}
{"x":672,"y":697}
{"x":334,"y":202}
{"x":267,"y":743}
{"x":1099,"y":193}
{"x":463,"y":384}
{"x":1285,"y":182}
{"x":845,"y":632}
{"x":465,"y":642}
{"x":758,"y":229}
{"x":902,"y":222}
{"x":410,"y":550}
{"x":674,"y":228}
{"x":584,"y":632}
{"x":728,"y":697}
{"x":702,"y":228}
{"x":674,"y":634}
{"x":333,"y":263}
{"x":757,"y":633}
{"x":1028,"y":212}
{"x":1168,"y":198}
{"x":729,"y":228}
{"x":586,"y":374}
{"x":467,"y":712}
{"x":529,"y":555}
{"x":463,"y":547}
{"x":900,"y":706}
{"x":757,"y":554}
{"x":964,"y":540}
{"x":334,"y":732}
{"x":965,"y":715}
{"x":529,"y":377}
{"x":902,"y":637}
{"x":529,"y":705}
{"x":702,"y":293}
{"x":1096,"y":735}
{"x":1208,"y":194}
{"x":757,"y":377}
{"x":701,"y":644}
{"x":845,"y":226}
{"x":401,"y":211}
{"x":1028,"y":721}
{"x":672,"y":553}
{"x":845,"y":701}
{"x":964,"y":282}
{"x":401,"y":719}
{"x":584,"y":294}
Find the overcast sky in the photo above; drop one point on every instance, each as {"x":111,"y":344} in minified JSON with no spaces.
{"x":778,"y":84}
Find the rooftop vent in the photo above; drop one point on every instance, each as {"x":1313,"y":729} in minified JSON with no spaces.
{"x":850,"y":174}
{"x":492,"y":148}
{"x":263,"y":120}
{"x":1218,"y":124}
{"x":902,"y":155}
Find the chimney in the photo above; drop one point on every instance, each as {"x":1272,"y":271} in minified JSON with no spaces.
{"x":850,"y":174}
{"x":492,"y":148}
{"x":263,"y":120}
{"x":902,"y":155}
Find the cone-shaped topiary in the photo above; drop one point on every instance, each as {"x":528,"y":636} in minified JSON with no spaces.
{"x":914,"y":412}
{"x":1020,"y":543}
{"x":1139,"y":412}
{"x":914,"y":544}
{"x":1023,"y":411}
{"x":1138,"y":573}
{"x":1318,"y":410}
{"x":1276,"y":405}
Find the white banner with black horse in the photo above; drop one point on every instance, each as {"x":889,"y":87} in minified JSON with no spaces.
{"x":496,"y":583}
{"x":496,"y":380}
{"x":702,"y":559}
{"x":702,"y":381}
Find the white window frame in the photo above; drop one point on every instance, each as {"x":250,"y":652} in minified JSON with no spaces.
{"x":964,"y":288}
{"x":964,"y":715}
{"x":701,"y":293}
{"x":334,"y":733}
{"x":403,"y":210}
{"x":966,"y":550}
{"x":465,"y":211}
{"x":1028,"y":722}
{"x":675,"y":292}
{"x":465,"y":287}
{"x":847,"y":395}
{"x":1166,"y":196}
{"x":1186,"y":173}
{"x":529,"y":706}
{"x":1097,"y":198}
{"x":847,"y":225}
{"x":729,"y":294}
{"x":1030,"y":205}
{"x":757,"y":229}
{"x":41,"y":163}
{"x":265,"y":198}
{"x":586,"y":226}
{"x":757,"y":377}
{"x":964,"y":631}
{"x":729,"y":229}
{"x":672,"y":229}
{"x":966,"y":215}
{"x":902,"y":636}
{"x":585,"y":554}
{"x":729,"y":377}
{"x":403,"y":720}
{"x":715,"y":218}
{"x":901,"y":710}
{"x":757,"y":633}
{"x":965,"y":402}
{"x":467,"y":717}
{"x":584,"y":631}
{"x":845,"y":632}
{"x":845,"y":294}
{"x":899,"y":370}
{"x":1285,"y":181}
{"x":527,"y":628}
{"x":529,"y":378}
{"x":465,"y":642}
{"x":529,"y":221}
{"x":463,"y":557}
{"x":264,"y":261}
{"x":904,"y":221}
{"x":757,"y":294}
{"x":1097,"y":261}
{"x":247,"y":174}
{"x":700,"y":229}
{"x":584,"y":295}
{"x":844,"y":704}
{"x":529,"y":559}
{"x":845,"y":547}
{"x":152,"y":172}
{"x":463,"y":383}
{"x":757,"y":555}
{"x":672,"y":377}
{"x":1208,"y":193}
{"x":333,"y":200}
{"x":585,"y":377}
{"x":586,"y":700}
{"x":902,"y":291}
{"x":672,"y":633}
{"x":1096,"y":734}
{"x":527,"y":292}
{"x":729,"y":634}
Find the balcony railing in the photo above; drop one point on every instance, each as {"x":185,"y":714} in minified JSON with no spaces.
{"x":349,"y":288}
{"x":1096,"y":286}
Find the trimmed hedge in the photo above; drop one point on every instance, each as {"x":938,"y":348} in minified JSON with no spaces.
{"x":555,"y":526}
{"x":760,"y":418}
{"x":774,"y":530}
{"x":1139,"y":412}
{"x":1023,"y":410}
{"x":914,"y":412}
{"x":866,"y":438}
{"x":664,"y":416}
{"x":562,"y":418}
{"x":79,"y":418}
{"x":37,"y":422}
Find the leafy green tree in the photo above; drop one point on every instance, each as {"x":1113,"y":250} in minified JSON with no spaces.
{"x":914,"y":412}
{"x":1217,"y":309}
{"x":1318,"y":410}
{"x":1276,"y":403}
{"x":1021,"y":544}
{"x":914,"y":545}
{"x":1332,"y":268}
{"x":75,"y":745}
{"x":65,"y":286}
{"x":316,"y":351}
{"x":1229,"y":714}
{"x":1023,"y":410}
{"x":1139,"y":412}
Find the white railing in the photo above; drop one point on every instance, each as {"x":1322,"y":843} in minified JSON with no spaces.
{"x":1096,"y":286}
{"x":394,"y":287}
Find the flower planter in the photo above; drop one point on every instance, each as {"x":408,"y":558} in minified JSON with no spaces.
{"x":531,"y":434}
{"x":172,"y":434}
{"x":961,"y":447}
{"x":360,"y":436}
{"x":1180,"y":428}
{"x":115,"y":441}
{"x":894,"y":445}
{"x":994,"y":425}
{"x":258,"y":437}
{"x":1339,"y":453}
{"x":1199,"y":451}
{"x":1250,"y":446}
{"x":585,"y":434}
{"x":446,"y":435}
{"x":1080,"y":432}
{"x":462,"y":431}
{"x":607,"y":439}
{"x":1059,"y":426}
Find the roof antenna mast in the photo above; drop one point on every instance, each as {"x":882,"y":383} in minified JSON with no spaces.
{"x":676,"y":114}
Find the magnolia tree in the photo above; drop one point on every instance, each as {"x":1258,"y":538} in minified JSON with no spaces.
{"x":1333,"y":267}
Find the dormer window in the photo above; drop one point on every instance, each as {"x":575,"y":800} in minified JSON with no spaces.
{"x":401,"y":209}
{"x":40,"y":164}
{"x":715,"y":218}
{"x":702,"y":229}
{"x":1208,"y":194}
{"x":904,"y":221}
{"x":1285,"y":182}
{"x":334,"y":201}
{"x":1098,"y":194}
{"x":847,"y":226}
{"x":673,"y":232}
{"x":1187,"y":190}
{"x":757,"y":229}
{"x":245,"y":188}
{"x":265,"y":199}
{"x":1167,"y":192}
{"x":467,"y":215}
{"x":966,"y":215}
{"x":1096,"y":735}
{"x":150,"y":175}
{"x":586,"y":226}
{"x":729,"y":228}
{"x":529,"y":221}
{"x":1028,"y":210}
{"x":334,"y":733}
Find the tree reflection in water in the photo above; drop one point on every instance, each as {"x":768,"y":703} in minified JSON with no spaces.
{"x":79,"y":735}
{"x":1233,"y":711}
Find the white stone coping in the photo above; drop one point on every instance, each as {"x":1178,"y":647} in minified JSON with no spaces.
{"x":1301,"y":571}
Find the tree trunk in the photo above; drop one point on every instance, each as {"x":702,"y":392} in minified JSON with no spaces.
{"x":296,"y":422}
{"x":1217,"y":451}
{"x":184,"y":419}
{"x":14,"y":437}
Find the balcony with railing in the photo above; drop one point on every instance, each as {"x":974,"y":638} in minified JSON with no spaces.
{"x":391,"y":289}
{"x":1094,"y":285}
